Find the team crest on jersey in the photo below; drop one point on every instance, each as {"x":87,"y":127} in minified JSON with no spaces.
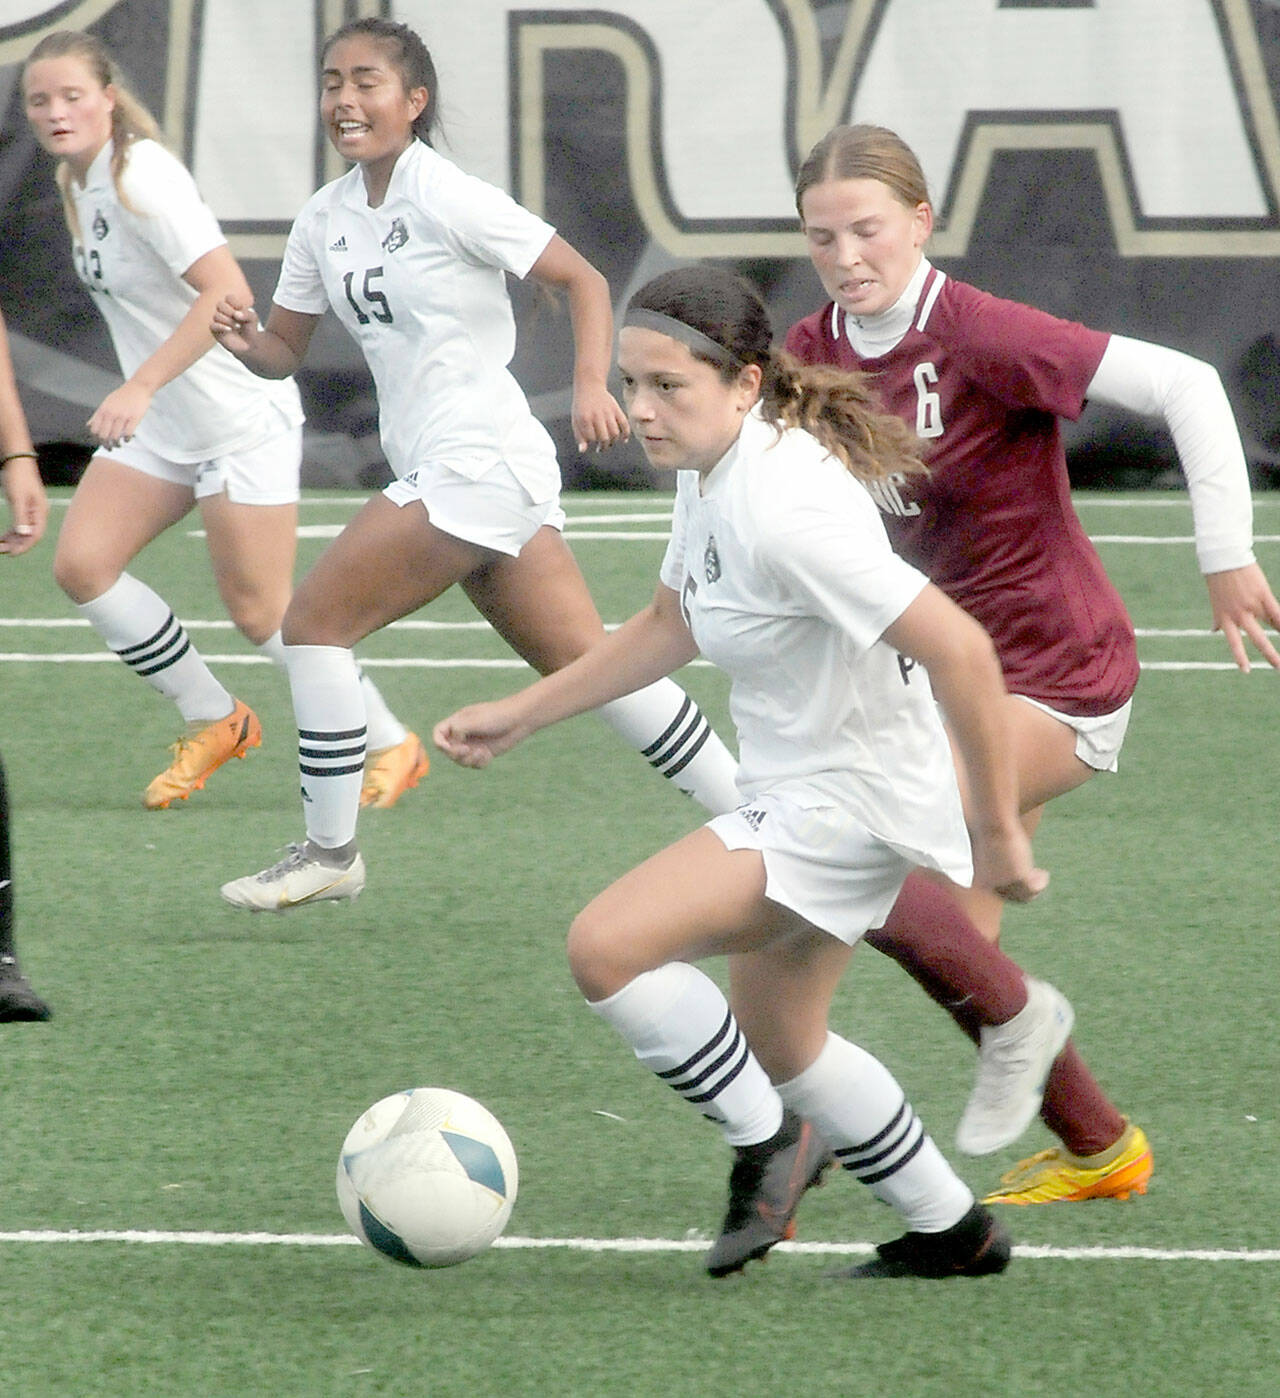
{"x":711,"y":560}
{"x":100,"y":226}
{"x":397,"y":237}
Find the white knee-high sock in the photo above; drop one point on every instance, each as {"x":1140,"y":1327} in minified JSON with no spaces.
{"x":139,"y":626}
{"x":669,"y":730}
{"x":329,"y":709}
{"x":385,"y":729}
{"x":857,"y":1105}
{"x":681,"y":1028}
{"x":273,"y":649}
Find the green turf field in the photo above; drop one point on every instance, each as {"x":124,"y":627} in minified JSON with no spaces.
{"x":204,"y":1065}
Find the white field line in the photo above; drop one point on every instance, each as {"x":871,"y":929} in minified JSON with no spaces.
{"x":35,"y":623}
{"x":331,"y":531}
{"x":418,"y":662}
{"x":1082,"y":500}
{"x":622,"y":1245}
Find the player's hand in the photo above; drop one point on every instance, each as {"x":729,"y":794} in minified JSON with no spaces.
{"x":234,"y":324}
{"x":598,"y":420}
{"x":474,"y":736}
{"x":1242,"y":603}
{"x":118,"y":415}
{"x":28,"y":505}
{"x":1003,"y":862}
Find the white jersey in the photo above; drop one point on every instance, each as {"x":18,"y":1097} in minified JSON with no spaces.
{"x":419,"y":282}
{"x":787,"y":582}
{"x":131,"y":254}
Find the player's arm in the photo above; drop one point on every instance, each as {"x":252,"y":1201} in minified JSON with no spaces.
{"x":213,"y":276}
{"x":652,"y":644}
{"x":597,"y":419}
{"x":273,"y":351}
{"x":19,"y":473}
{"x":1188,"y":396}
{"x":965,"y":675}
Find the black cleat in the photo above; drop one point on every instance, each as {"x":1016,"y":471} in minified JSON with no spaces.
{"x":977,"y":1246}
{"x":17,"y":999}
{"x":765,"y":1188}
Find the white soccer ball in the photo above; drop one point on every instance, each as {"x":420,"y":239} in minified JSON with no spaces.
{"x":427,"y":1177}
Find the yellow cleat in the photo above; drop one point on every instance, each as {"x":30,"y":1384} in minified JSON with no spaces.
{"x":199,"y":755}
{"x":1058,"y":1176}
{"x":389,"y":773}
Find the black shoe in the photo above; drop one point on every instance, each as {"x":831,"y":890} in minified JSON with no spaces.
{"x":977,"y":1246}
{"x":765,"y":1187}
{"x":17,"y":999}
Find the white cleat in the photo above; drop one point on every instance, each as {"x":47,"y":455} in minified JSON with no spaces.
{"x":1014,"y":1060}
{"x":295,"y":881}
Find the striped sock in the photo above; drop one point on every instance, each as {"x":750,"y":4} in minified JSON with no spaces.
{"x":671,"y":732}
{"x":139,"y":626}
{"x":385,"y":729}
{"x":856,"y":1103}
{"x":681,"y":1028}
{"x":329,"y":708}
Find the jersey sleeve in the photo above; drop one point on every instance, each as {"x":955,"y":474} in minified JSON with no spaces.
{"x":170,"y":216}
{"x":1024,"y":357}
{"x":300,"y":286}
{"x":483,"y":223}
{"x":823,"y":542}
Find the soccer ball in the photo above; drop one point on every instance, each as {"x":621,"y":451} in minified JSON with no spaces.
{"x":427,"y":1177}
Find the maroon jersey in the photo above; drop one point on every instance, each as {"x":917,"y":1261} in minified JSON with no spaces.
{"x":984,"y":381}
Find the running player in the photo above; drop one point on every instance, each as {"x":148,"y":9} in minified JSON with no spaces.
{"x":983,"y":382}
{"x":835,"y":653}
{"x":412,"y":254}
{"x":188,"y":426}
{"x":28,"y":513}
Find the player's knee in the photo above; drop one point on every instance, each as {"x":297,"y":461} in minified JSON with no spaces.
{"x":593,"y":959}
{"x":256,"y":618}
{"x":81,"y":576}
{"x":303,"y":625}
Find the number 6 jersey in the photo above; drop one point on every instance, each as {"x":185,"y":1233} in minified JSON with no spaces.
{"x":419,"y":282}
{"x":984,"y":381}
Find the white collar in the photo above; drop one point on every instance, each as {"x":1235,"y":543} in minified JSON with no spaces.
{"x":872,"y":336}
{"x":358,"y":196}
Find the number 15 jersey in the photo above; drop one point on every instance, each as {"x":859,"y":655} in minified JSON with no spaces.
{"x":419,"y":283}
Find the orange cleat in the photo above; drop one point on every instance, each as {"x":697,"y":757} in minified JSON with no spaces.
{"x":199,"y":755}
{"x":389,"y":773}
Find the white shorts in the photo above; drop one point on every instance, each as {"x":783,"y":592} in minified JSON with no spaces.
{"x":493,"y":510}
{"x":819,"y":862}
{"x":264,"y":473}
{"x":1098,"y":739}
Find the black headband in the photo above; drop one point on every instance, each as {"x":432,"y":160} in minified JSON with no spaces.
{"x":686,"y":334}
